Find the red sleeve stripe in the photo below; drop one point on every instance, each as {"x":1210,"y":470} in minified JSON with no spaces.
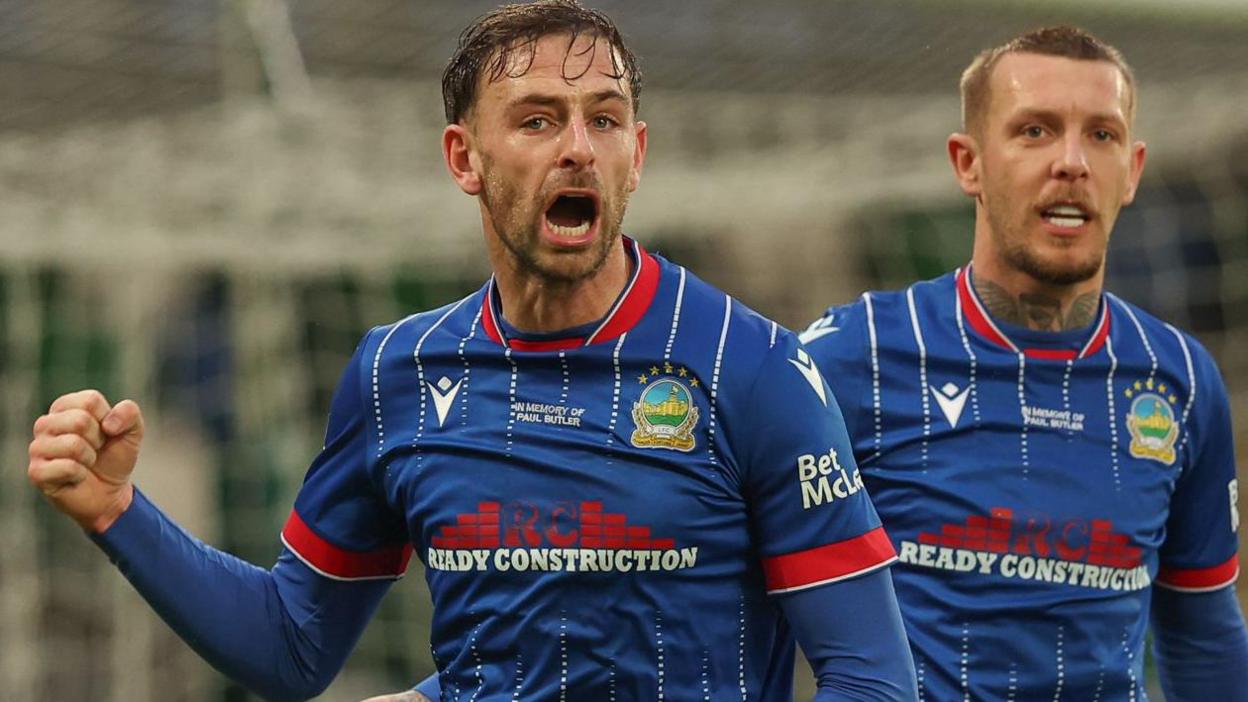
{"x":339,"y":563}
{"x":829,"y":563}
{"x":1200,"y":579}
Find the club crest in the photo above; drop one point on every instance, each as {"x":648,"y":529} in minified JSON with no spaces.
{"x":1151,"y":421}
{"x":665,"y":414}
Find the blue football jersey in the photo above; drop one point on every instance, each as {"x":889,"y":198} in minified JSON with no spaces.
{"x":600,"y":517}
{"x":1035,"y":485}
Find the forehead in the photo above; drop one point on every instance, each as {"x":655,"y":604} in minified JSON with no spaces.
{"x":1023,"y":81}
{"x":558,"y":66}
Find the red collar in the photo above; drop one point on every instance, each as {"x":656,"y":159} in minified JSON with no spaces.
{"x":979,"y":320}
{"x":627,"y":312}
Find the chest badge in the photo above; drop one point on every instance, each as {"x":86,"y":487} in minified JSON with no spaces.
{"x":665,"y":414}
{"x":1151,"y":421}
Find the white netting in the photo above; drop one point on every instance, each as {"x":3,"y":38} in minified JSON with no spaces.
{"x":188,"y":222}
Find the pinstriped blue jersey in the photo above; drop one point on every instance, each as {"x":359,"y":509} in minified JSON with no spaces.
{"x":602,"y":516}
{"x":1035,"y":485}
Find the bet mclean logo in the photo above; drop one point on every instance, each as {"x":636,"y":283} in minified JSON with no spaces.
{"x":1083,"y":553}
{"x":572,"y":537}
{"x":823,"y":479}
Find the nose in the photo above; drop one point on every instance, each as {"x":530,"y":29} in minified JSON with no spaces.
{"x":1072,"y":162}
{"x":577,"y":150}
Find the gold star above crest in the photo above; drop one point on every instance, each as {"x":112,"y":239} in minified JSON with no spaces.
{"x":682,"y":372}
{"x":654,"y":370}
{"x":1139,"y":385}
{"x":667,"y":368}
{"x":693,"y":383}
{"x":642,"y":379}
{"x":1130,"y":392}
{"x":1161,"y":388}
{"x":1149,"y":383}
{"x":1173,"y":399}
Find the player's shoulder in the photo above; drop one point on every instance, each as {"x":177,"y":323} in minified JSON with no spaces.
{"x":878,"y":312}
{"x":741,"y":325}
{"x":1136,"y":326}
{"x":402,"y":338}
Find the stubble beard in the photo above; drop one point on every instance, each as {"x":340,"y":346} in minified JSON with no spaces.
{"x":1020,"y":254}
{"x":518,"y":225}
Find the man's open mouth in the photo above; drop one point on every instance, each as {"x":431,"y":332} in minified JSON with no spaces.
{"x":572,"y":214}
{"x":1070,"y":216}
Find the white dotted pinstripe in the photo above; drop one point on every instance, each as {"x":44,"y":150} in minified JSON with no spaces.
{"x":1113,"y":413}
{"x":680,"y":299}
{"x":927,"y":409}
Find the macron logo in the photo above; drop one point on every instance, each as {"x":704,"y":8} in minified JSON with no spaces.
{"x":951,"y":401}
{"x":806,"y":366}
{"x":444,"y":396}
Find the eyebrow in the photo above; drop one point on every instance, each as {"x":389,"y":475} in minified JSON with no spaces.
{"x":1052,"y":115}
{"x":546,"y":99}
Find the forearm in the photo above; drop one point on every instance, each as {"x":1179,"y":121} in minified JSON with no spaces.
{"x":1201,"y":645}
{"x":852,"y":634}
{"x":283,"y":634}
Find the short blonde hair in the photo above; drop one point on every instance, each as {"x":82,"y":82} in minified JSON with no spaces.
{"x":1065,"y":41}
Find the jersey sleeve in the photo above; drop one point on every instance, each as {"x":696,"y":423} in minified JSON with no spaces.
{"x":1199,"y":553}
{"x":341,"y":525}
{"x":838,"y":341}
{"x":811,"y":518}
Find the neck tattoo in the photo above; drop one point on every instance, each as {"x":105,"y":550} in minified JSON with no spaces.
{"x":1037,"y":310}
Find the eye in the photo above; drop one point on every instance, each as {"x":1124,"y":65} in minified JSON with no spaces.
{"x":1104,"y":135}
{"x":603,"y":122}
{"x":1032,"y":131}
{"x":535,"y":124}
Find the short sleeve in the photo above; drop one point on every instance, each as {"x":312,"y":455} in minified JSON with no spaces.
{"x":811,"y":517}
{"x":341,"y":525}
{"x":1199,"y":553}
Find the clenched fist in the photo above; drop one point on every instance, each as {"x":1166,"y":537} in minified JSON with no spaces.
{"x":82,"y":455}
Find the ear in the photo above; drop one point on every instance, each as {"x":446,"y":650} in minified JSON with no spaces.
{"x":1138,"y":152}
{"x":457,"y":149}
{"x":639,"y":156}
{"x":964,"y":157}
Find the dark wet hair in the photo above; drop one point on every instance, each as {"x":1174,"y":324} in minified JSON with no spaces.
{"x":486,"y":47}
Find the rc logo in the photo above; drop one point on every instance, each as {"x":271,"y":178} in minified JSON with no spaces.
{"x":565,"y":536}
{"x":665,"y":414}
{"x":951,"y":401}
{"x":1151,"y":421}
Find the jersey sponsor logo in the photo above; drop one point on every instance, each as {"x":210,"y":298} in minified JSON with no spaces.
{"x":951,"y":401}
{"x":444,"y":396}
{"x":569,"y":537}
{"x":806,"y":366}
{"x":1151,"y":421}
{"x":546,"y":413}
{"x":665,"y":414}
{"x":819,"y":328}
{"x":1233,"y":489}
{"x":1079,"y":552}
{"x":823,"y":480}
